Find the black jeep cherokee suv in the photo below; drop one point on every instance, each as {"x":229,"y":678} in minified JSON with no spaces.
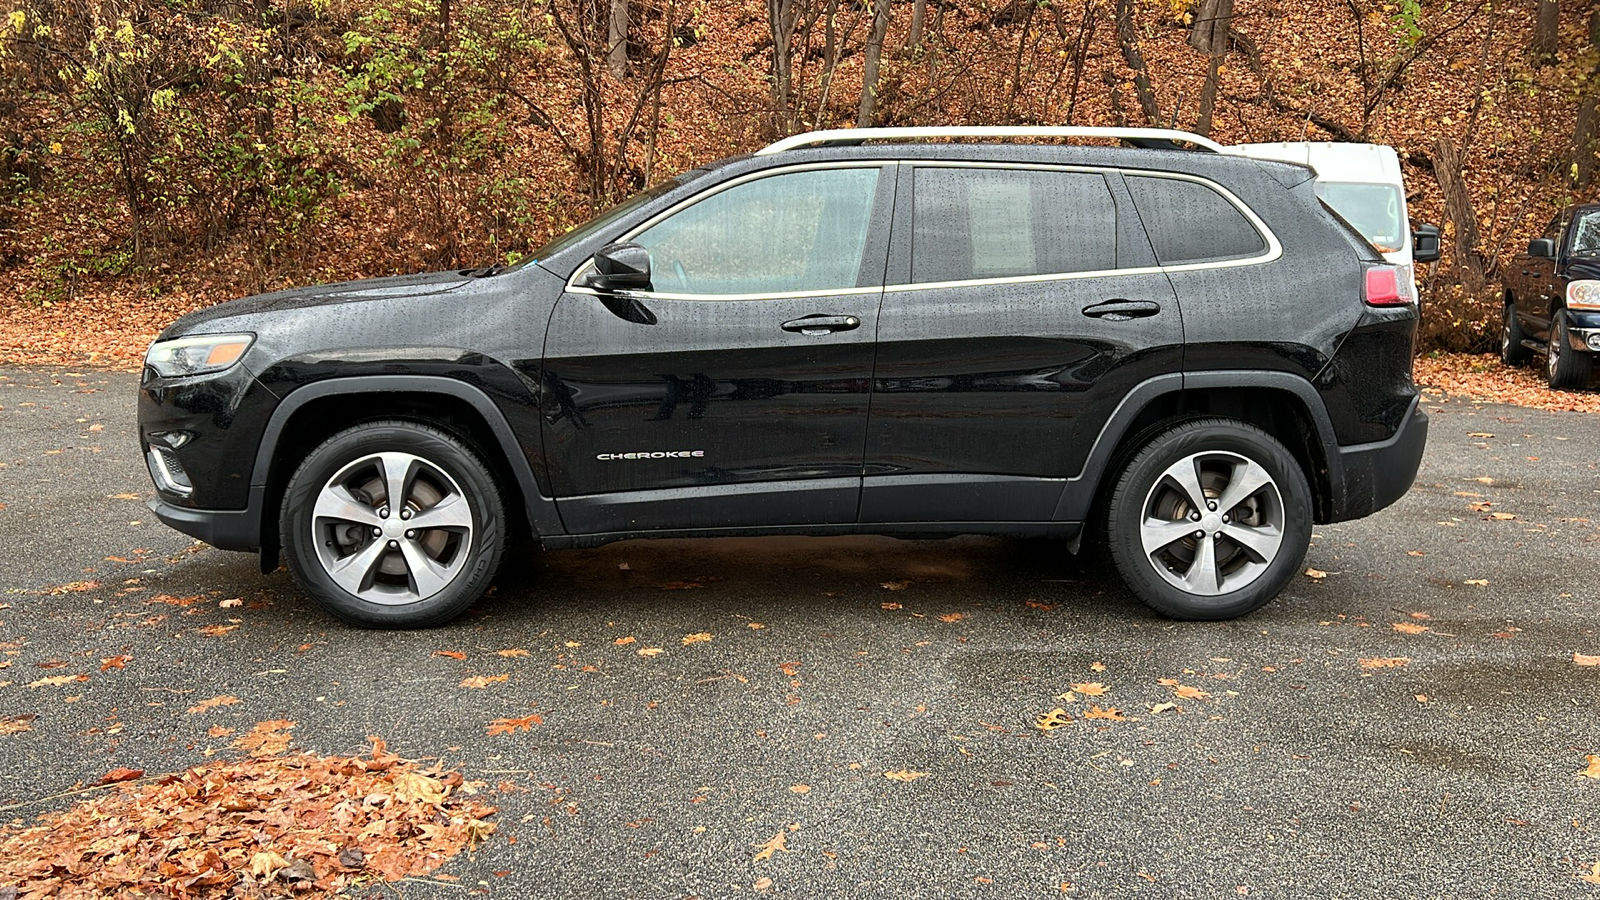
{"x":1181,"y":352}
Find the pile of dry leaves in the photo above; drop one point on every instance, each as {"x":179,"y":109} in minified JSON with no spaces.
{"x":1466,"y":376}
{"x":266,"y":826}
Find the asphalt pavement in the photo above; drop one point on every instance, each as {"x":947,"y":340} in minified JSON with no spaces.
{"x":1408,"y":720}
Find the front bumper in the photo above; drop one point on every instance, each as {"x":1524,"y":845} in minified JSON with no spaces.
{"x":225,"y":529}
{"x":1372,"y":476}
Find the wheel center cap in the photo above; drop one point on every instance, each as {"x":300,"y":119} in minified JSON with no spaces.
{"x":1211,"y":523}
{"x":393,"y":528}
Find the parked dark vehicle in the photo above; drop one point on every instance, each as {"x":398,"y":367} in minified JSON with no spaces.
{"x":1552,"y":299}
{"x":1182,"y":353}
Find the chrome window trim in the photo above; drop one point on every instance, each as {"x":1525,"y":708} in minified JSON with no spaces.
{"x":574,"y":287}
{"x":1273,"y":252}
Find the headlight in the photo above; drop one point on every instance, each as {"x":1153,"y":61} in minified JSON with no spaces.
{"x":1583,"y":295}
{"x":197,"y":355}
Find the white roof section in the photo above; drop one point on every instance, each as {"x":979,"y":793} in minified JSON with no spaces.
{"x":1332,"y":160}
{"x":1135,"y":136}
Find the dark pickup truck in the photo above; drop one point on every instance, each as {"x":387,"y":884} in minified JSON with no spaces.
{"x":1552,"y":299}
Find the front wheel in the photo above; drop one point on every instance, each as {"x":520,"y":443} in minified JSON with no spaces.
{"x":393,"y":525}
{"x":1210,"y":520}
{"x":1568,"y":369}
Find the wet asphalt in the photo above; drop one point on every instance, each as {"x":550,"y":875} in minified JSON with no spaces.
{"x":1443,"y":766}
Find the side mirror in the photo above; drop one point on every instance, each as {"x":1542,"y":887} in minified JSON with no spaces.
{"x":1425,"y":244}
{"x":621,"y":267}
{"x":1544,"y":248}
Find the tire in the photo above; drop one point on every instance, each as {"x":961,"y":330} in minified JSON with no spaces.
{"x":1251,"y":556}
{"x":1512,"y":353}
{"x":1567,"y":369}
{"x":336,"y":506}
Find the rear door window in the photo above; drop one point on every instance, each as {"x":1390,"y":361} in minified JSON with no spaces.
{"x":1189,"y":222}
{"x":980,"y":223}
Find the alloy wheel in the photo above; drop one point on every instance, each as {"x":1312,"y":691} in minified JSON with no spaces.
{"x":1212,"y":523}
{"x":392,"y":528}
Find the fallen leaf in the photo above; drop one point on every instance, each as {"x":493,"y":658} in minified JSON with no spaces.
{"x":1097,"y":667}
{"x":513,"y":652}
{"x":896,"y":585}
{"x":1580,"y":659}
{"x":213,"y":703}
{"x":216,"y":630}
{"x":952,"y":617}
{"x":1480,"y":582}
{"x":120,"y":774}
{"x":482,"y":681}
{"x":904,"y":775}
{"x":1385,"y":662}
{"x":624,"y":641}
{"x":219,"y":731}
{"x":777,"y":843}
{"x":1594,"y":875}
{"x":1317,"y":574}
{"x":799,"y":788}
{"x":1593,"y":771}
{"x":1109,"y":713}
{"x":681,"y":585}
{"x":269,"y":738}
{"x":414,"y":787}
{"x":511,"y":726}
{"x":1035,"y":604}
{"x":231,"y":603}
{"x":754,"y":626}
{"x":761,"y":884}
{"x":58,"y":680}
{"x":1050,"y":721}
{"x":1415,"y":553}
{"x":452,"y":654}
{"x":697,"y":638}
{"x":891,"y":606}
{"x":115,"y":662}
{"x":266,"y":864}
{"x":651,"y":651}
{"x":1189,"y":692}
{"x":1160,"y":708}
{"x":1409,"y":628}
{"x":17,"y":724}
{"x":1091,"y":689}
{"x":1479,"y":434}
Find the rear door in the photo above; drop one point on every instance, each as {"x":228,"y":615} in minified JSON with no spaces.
{"x":1023,"y":305}
{"x":733,"y":394}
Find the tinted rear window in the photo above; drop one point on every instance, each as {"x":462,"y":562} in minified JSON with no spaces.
{"x":973,"y":223}
{"x":1189,"y":222}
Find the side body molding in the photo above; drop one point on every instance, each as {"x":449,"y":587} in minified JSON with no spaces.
{"x":540,"y":510}
{"x":1078,"y":496}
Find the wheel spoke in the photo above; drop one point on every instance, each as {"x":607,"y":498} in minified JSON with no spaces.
{"x":427,"y":577}
{"x":336,"y":502}
{"x":1158,"y":534}
{"x":1203,"y":577}
{"x":354,"y":573}
{"x":1186,"y":475}
{"x":1261,"y":542}
{"x":1248,"y":477}
{"x":397,"y":470}
{"x":453,"y":512}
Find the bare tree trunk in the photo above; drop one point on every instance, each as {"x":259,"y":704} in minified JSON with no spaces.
{"x":869,"y":74}
{"x":617,"y":39}
{"x":1128,"y":42}
{"x":1586,"y":133}
{"x":782,"y":15}
{"x":1546,"y":32}
{"x":1471,"y":267}
{"x":1211,"y":27}
{"x":919,"y":16}
{"x":1080,"y":55}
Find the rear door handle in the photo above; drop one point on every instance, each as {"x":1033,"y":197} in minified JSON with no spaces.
{"x":821,"y":324}
{"x":1122,"y":310}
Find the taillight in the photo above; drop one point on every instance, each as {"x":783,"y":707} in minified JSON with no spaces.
{"x":1386,"y":286}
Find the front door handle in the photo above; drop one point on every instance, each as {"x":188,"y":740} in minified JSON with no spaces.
{"x":1122,"y":310}
{"x":820,"y":324}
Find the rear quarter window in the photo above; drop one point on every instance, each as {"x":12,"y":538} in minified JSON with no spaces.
{"x":1189,"y":222}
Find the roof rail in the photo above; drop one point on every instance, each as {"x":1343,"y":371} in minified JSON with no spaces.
{"x":1149,"y":138}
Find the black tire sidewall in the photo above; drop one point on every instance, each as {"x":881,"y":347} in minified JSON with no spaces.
{"x":1512,"y":353}
{"x":1126,"y":508}
{"x":439,"y":449}
{"x":1571,"y":369}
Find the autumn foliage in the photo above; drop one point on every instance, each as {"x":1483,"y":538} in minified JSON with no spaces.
{"x":157,"y":156}
{"x":263,"y":826}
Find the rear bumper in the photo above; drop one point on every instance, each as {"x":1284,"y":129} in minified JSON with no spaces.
{"x":1377,"y":474}
{"x":225,"y":529}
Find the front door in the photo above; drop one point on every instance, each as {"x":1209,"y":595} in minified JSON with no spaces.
{"x":1007,"y":338}
{"x":733,"y":393}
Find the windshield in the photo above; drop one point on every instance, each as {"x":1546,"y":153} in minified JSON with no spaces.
{"x":1374,"y":209}
{"x":1586,"y":233}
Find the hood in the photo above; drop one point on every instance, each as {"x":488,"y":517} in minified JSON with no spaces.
{"x":346,"y":292}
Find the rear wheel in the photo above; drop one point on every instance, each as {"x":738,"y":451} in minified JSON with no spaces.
{"x":393,"y":525}
{"x":1512,"y":353}
{"x":1568,"y":369}
{"x":1209,"y":520}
